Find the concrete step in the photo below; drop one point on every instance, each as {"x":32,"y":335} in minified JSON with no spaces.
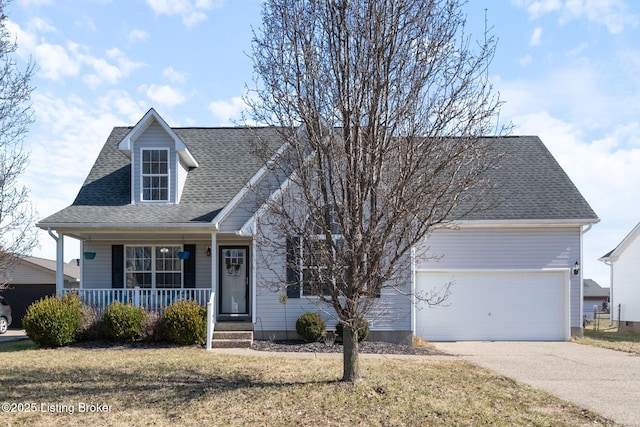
{"x":231,"y":343}
{"x":233,"y":335}
{"x":234,"y":326}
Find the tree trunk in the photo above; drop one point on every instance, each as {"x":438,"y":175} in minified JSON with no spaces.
{"x":351,"y":357}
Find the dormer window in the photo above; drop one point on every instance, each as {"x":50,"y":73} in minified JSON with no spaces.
{"x":155,"y":175}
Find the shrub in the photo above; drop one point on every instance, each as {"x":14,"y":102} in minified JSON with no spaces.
{"x":363,"y":329}
{"x":123,"y":322}
{"x":185,"y":322}
{"x":54,"y":321}
{"x":89,"y":328}
{"x":311,"y":326}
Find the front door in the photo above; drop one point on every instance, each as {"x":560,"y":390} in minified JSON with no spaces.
{"x":234,"y":281}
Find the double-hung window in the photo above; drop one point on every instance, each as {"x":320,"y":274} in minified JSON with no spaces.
{"x":155,"y":175}
{"x":312,"y":261}
{"x":153,"y":267}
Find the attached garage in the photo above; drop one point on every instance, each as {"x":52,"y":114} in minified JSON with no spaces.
{"x":495,"y":306}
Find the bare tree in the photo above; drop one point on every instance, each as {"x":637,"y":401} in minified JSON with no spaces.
{"x":17,"y":234}
{"x":381,"y":105}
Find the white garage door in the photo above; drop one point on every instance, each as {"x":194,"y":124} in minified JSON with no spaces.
{"x":495,"y":306}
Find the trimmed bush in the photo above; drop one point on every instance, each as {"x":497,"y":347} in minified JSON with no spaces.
{"x":185,"y":323}
{"x":54,"y":321}
{"x":311,"y":326}
{"x":123,"y":322}
{"x":363,"y":329}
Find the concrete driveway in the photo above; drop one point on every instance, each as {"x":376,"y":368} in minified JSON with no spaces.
{"x":604,"y":381}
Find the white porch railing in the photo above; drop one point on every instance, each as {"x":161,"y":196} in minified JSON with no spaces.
{"x":149,"y":299}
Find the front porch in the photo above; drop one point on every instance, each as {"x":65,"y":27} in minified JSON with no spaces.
{"x":155,"y":300}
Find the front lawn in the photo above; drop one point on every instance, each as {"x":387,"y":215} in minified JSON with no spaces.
{"x":190,"y":386}
{"x":621,"y":341}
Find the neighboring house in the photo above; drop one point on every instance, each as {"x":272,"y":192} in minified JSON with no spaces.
{"x":157,"y":193}
{"x":31,"y":279}
{"x":625,"y":281}
{"x":594,"y":296}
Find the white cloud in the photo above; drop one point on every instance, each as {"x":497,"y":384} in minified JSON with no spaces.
{"x":163,"y":94}
{"x":42,"y":26}
{"x":608,"y":183}
{"x":137,"y":35}
{"x":525,"y":60}
{"x":191,"y":13}
{"x":226,"y":112}
{"x":536,"y":37}
{"x":174,"y":75}
{"x":54,"y":61}
{"x":611,"y":13}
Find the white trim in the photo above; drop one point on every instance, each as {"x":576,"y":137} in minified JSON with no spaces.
{"x":524,"y":222}
{"x":235,"y":201}
{"x":493,"y":270}
{"x":629,"y":238}
{"x":127,"y":142}
{"x":153,"y":270}
{"x":142,"y":175}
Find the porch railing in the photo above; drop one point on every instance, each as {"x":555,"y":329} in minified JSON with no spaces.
{"x":150,"y":299}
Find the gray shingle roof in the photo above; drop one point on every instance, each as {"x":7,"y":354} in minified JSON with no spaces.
{"x":592,"y":289}
{"x":530,"y":183}
{"x":226,"y":163}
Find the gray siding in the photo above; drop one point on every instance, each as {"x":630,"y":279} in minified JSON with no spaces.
{"x":393,"y":312}
{"x":153,"y":137}
{"x":97,"y":272}
{"x":252,"y":200}
{"x":520,"y":248}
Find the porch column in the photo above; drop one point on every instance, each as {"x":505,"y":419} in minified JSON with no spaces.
{"x":59,"y":260}
{"x":60,"y":264}
{"x":214,"y":262}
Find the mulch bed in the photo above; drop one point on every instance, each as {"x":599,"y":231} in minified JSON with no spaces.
{"x":370,"y":347}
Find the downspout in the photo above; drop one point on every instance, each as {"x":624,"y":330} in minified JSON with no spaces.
{"x":611,"y":310}
{"x":583,"y":231}
{"x":59,"y":261}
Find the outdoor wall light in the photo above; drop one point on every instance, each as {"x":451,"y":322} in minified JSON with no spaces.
{"x":208,"y":250}
{"x":576,"y":268}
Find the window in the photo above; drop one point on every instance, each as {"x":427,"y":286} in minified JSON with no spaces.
{"x":153,"y":267}
{"x":310,"y":261}
{"x":155,"y":175}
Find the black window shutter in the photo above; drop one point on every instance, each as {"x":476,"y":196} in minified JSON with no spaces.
{"x":293,"y":275}
{"x":190,"y":267}
{"x":117,"y":266}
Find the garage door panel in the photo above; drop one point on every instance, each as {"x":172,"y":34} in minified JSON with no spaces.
{"x":494,"y":306}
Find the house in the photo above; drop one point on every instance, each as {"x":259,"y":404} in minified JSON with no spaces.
{"x":594,"y":295}
{"x":32,"y":278}
{"x":166,"y":213}
{"x":625,"y":282}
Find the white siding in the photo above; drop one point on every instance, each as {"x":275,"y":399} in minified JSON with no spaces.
{"x":533,"y":248}
{"x":626,"y":283}
{"x":153,"y":137}
{"x":183,"y":170}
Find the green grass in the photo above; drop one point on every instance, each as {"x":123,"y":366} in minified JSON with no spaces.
{"x":190,"y":386}
{"x":611,"y":339}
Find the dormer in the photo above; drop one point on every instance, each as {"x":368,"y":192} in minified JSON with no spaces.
{"x":160,"y":161}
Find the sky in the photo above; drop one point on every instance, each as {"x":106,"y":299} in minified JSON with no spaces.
{"x":567,"y":70}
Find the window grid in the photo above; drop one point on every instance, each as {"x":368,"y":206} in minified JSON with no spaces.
{"x":153,"y":267}
{"x":155,"y":175}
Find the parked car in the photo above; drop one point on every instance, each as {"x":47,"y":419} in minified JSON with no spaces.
{"x":5,"y":315}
